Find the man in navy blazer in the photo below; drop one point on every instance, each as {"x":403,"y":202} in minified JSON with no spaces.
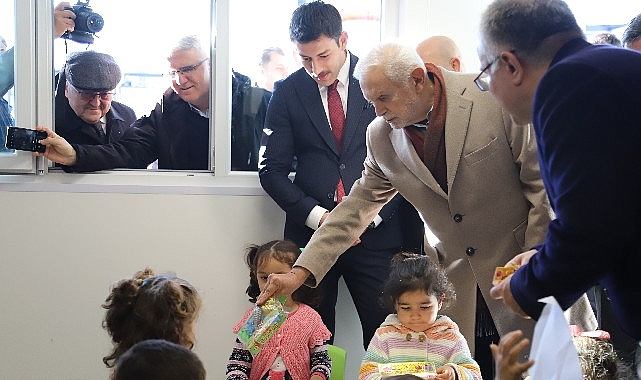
{"x":583,"y":101}
{"x":297,"y":129}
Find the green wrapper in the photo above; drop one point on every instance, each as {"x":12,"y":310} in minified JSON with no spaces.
{"x":262,"y":324}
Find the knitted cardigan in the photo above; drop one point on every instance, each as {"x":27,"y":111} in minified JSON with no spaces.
{"x":302,"y":334}
{"x":441,"y":344}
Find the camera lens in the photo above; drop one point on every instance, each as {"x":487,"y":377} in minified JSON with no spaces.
{"x":95,"y":22}
{"x":88,"y":21}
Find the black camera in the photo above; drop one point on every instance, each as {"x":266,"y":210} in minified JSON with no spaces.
{"x":88,"y":23}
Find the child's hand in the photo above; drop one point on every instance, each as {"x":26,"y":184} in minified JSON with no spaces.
{"x":506,"y":356}
{"x":316,"y":377}
{"x":445,"y":372}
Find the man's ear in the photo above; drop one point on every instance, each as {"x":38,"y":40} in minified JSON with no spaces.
{"x":418,"y":77}
{"x":455,"y":64}
{"x":515,"y":67}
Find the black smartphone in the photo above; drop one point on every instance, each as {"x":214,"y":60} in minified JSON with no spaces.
{"x":25,"y":139}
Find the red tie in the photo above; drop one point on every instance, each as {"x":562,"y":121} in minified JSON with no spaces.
{"x":337,"y":121}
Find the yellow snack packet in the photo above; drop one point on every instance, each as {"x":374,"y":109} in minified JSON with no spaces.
{"x":501,"y":273}
{"x":425,"y":370}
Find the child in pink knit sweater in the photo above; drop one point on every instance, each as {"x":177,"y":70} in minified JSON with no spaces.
{"x":417,"y":289}
{"x":297,"y":351}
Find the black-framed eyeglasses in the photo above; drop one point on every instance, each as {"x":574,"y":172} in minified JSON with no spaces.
{"x":88,"y":96}
{"x":483,"y":79}
{"x":186,"y":69}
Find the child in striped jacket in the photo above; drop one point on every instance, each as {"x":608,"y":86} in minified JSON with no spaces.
{"x":417,"y":289}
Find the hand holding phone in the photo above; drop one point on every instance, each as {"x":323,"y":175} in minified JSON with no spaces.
{"x":25,"y":139}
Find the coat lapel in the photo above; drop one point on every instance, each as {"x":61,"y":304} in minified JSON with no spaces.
{"x":408,"y":156}
{"x":457,"y":122}
{"x":307,"y":90}
{"x":356,"y":105}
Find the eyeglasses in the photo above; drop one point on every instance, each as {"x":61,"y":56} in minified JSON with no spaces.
{"x":185,"y":70}
{"x":483,"y":79}
{"x":88,"y":96}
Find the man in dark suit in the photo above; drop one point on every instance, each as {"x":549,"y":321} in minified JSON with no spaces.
{"x":329,"y":162}
{"x":583,"y":101}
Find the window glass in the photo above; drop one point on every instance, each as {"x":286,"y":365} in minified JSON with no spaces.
{"x":7,"y":93}
{"x":139,"y":35}
{"x":263,"y":33}
{"x":597,"y":17}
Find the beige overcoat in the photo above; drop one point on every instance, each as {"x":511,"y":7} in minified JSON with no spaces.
{"x":496,"y":206}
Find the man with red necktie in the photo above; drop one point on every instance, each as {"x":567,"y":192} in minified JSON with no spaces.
{"x":318,"y":116}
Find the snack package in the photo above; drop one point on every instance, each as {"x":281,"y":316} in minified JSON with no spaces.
{"x":262,"y":323}
{"x":425,"y":370}
{"x":500,"y":273}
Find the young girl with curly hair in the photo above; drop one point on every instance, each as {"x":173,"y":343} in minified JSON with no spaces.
{"x":150,"y":306}
{"x":417,"y":289}
{"x":297,"y":351}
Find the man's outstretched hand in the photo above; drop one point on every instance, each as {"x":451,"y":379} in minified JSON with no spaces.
{"x":283,"y":284}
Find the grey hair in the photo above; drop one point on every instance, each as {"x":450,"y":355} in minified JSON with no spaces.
{"x":522,"y":25}
{"x":187,"y":43}
{"x":633,"y":31}
{"x":397,"y":60}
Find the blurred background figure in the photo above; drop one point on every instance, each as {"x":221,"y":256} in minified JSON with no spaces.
{"x":6,"y":82}
{"x":632,"y":34}
{"x":607,"y":39}
{"x":273,"y":67}
{"x":441,"y":51}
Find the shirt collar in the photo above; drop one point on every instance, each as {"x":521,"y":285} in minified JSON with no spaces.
{"x":205,"y":114}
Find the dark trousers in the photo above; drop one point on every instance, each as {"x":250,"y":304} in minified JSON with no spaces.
{"x":364,"y":272}
{"x":484,"y":335}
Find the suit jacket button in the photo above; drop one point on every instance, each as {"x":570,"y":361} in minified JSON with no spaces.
{"x":330,"y":195}
{"x":458,"y":218}
{"x":470,"y":251}
{"x":341,"y":166}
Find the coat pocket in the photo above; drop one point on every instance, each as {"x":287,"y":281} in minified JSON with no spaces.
{"x":482,"y":153}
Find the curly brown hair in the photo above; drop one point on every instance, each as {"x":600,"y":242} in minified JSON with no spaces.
{"x":150,"y":306}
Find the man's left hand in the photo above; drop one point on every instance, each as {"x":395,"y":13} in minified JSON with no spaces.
{"x":503,"y":291}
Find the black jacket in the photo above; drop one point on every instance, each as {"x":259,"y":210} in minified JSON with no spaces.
{"x":174,"y":133}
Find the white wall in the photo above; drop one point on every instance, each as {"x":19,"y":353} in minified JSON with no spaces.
{"x":62,"y":251}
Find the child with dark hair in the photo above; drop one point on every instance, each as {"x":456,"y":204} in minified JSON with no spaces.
{"x":158,"y":359}
{"x":297,"y":350}
{"x":417,"y":289}
{"x":150,"y":306}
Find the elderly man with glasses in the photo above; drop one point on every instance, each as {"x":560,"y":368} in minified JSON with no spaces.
{"x":176,"y":132}
{"x":85,"y":110}
{"x":583,"y":101}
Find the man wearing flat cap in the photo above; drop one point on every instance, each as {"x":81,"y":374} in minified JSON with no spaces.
{"x":85,"y":111}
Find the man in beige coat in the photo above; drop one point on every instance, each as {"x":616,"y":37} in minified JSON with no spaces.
{"x":483,"y":196}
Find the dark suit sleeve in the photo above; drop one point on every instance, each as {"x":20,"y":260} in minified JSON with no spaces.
{"x":277,"y":158}
{"x":135,"y":150}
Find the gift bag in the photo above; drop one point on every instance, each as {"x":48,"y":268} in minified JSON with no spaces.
{"x":554,"y":354}
{"x":262,"y":324}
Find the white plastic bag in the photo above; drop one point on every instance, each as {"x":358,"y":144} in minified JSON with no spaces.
{"x":554,"y":354}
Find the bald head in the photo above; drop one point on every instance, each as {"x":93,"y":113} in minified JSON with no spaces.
{"x":441,"y":51}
